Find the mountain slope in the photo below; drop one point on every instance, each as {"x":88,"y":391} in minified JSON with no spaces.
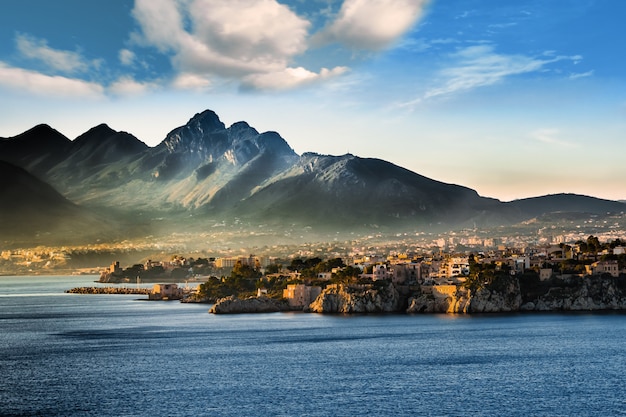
{"x":204,"y":171}
{"x":98,"y":156}
{"x":30,"y":210}
{"x":536,"y":206}
{"x":187,"y":170}
{"x":350,"y":190}
{"x":36,"y":150}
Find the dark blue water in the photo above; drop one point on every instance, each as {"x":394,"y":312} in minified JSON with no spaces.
{"x":112,"y":355}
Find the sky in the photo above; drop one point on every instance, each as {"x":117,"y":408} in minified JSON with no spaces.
{"x":514,"y":99}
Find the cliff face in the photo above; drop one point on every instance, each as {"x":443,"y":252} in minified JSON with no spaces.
{"x":576,"y":294}
{"x":506,"y":298}
{"x":592,"y":293}
{"x":353,"y":299}
{"x":234,"y":305}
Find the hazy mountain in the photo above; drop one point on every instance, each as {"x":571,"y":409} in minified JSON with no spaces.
{"x":31,"y":210}
{"x":351,"y":191}
{"x":204,"y":171}
{"x":566,"y":203}
{"x":36,"y":150}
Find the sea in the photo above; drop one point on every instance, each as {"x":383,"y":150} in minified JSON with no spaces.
{"x":120,"y":355}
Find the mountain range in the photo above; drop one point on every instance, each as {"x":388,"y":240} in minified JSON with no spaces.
{"x":204,"y":172}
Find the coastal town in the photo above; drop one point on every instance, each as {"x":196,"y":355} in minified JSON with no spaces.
{"x":439,"y":278}
{"x":434,"y":272}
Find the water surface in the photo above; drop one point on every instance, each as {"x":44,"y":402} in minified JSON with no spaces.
{"x":114,"y":355}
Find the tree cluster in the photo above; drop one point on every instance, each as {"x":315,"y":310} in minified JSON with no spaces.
{"x":310,"y":267}
{"x":242,"y":281}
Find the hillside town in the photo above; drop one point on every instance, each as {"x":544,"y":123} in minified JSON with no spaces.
{"x":300,"y":280}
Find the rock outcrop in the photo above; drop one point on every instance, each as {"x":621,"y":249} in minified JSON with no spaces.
{"x":357,"y":299}
{"x":589,"y":294}
{"x":428,"y":303}
{"x":234,"y":305}
{"x":505,"y":298}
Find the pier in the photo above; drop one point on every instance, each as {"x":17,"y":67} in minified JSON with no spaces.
{"x":108,"y":290}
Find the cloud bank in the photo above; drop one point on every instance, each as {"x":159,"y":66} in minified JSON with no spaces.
{"x":61,"y":61}
{"x":257,"y":42}
{"x":253,"y":44}
{"x":33,"y":82}
{"x":477,"y":66}
{"x":372,"y":24}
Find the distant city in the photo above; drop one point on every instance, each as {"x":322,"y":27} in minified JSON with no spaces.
{"x":534,"y":242}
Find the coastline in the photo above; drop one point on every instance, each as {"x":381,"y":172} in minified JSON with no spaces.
{"x":591,"y":294}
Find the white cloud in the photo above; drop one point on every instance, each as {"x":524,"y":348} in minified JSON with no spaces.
{"x":550,"y":136}
{"x":289,"y":78}
{"x":480,"y":66}
{"x":126,"y":57}
{"x":161,"y":24}
{"x":372,"y":24}
{"x":253,"y":41}
{"x":581,"y":75}
{"x":38,"y":49}
{"x":126,"y":86}
{"x":249,"y":30}
{"x":191,"y":82}
{"x":22,"y":80}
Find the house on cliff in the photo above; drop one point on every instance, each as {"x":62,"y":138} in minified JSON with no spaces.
{"x":300,"y":295}
{"x":603,"y":267}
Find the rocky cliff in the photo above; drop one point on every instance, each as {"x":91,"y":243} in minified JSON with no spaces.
{"x":589,"y":294}
{"x":357,"y":299}
{"x":575,"y":294}
{"x":484,"y":300}
{"x":234,"y":305}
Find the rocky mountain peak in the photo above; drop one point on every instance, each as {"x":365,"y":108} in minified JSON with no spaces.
{"x":37,"y":149}
{"x":242,"y":131}
{"x":102,"y":139}
{"x":199,"y":135}
{"x":205,"y":139}
{"x":207,"y":121}
{"x":98,"y":133}
{"x":273,"y":142}
{"x":40,"y":135}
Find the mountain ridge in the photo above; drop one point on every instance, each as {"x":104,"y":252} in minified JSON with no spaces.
{"x":33,"y":211}
{"x":211,"y":172}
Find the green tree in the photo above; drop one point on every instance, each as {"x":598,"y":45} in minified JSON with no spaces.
{"x":241,"y":270}
{"x":347,"y":274}
{"x":273,"y":269}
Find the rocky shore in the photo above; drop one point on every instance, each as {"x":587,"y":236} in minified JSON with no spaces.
{"x":591,"y":293}
{"x":463,"y":301}
{"x":234,"y":305}
{"x":355,"y":299}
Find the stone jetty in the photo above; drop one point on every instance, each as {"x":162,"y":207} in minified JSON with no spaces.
{"x":108,"y":290}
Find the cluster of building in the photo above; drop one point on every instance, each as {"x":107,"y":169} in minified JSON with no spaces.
{"x":34,"y":258}
{"x":441,"y":274}
{"x":436,"y":272}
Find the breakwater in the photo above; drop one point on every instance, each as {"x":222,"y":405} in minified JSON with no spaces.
{"x":108,"y":290}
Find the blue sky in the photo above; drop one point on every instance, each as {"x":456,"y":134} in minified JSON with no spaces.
{"x":512,"y":98}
